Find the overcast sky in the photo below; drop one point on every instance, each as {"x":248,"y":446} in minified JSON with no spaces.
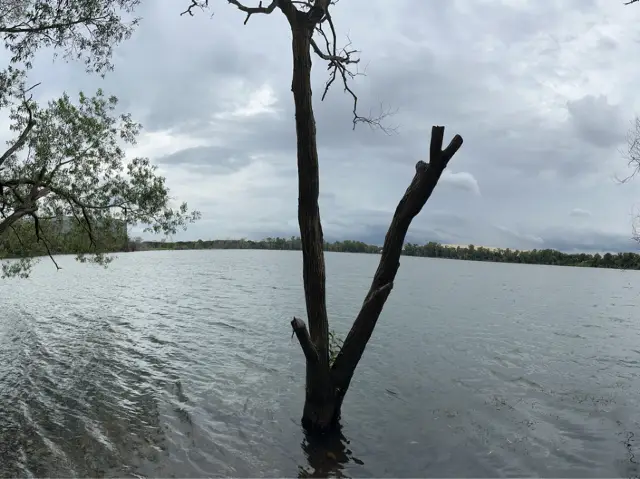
{"x":543,"y":92}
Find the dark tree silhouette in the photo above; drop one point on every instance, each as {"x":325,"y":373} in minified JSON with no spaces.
{"x":313,"y":31}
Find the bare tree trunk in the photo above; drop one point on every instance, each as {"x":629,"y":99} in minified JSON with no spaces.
{"x":326,"y":386}
{"x":318,"y":410}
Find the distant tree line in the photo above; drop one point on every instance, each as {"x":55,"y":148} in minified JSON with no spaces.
{"x":69,"y":237}
{"x":293,"y":243}
{"x":535,"y":256}
{"x":429,"y":250}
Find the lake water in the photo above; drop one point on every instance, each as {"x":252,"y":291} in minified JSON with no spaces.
{"x":182,"y":364}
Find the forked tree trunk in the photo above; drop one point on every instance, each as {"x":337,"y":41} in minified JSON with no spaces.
{"x":327,"y":385}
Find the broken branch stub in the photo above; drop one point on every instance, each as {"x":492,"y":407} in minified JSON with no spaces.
{"x":302,"y":333}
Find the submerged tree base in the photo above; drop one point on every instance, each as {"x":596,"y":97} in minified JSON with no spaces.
{"x":326,"y":454}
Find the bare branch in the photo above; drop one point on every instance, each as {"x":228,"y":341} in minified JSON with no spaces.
{"x":51,"y":26}
{"x":19,"y":143}
{"x":302,"y":333}
{"x":12,"y":218}
{"x":13,"y":228}
{"x":251,"y":10}
{"x":40,"y":238}
{"x":416,"y":196}
{"x":32,"y":87}
{"x":340,"y":64}
{"x":632,"y":152}
{"x":87,"y":228}
{"x":201,"y":4}
{"x":28,"y":206}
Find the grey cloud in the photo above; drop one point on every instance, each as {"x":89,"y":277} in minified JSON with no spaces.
{"x":562,"y":239}
{"x":527,"y":240}
{"x":371,"y":227}
{"x":500,"y":133}
{"x":588,"y":240}
{"x":597,"y":121}
{"x":425,"y":90}
{"x":540,"y":91}
{"x":447,"y":228}
{"x":216,"y":160}
{"x":607,"y":43}
{"x":580,"y":213}
{"x":171,"y":80}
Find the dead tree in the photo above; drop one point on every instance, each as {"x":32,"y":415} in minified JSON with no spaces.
{"x":327,"y":384}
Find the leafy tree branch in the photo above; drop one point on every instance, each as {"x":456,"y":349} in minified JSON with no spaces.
{"x":67,"y":160}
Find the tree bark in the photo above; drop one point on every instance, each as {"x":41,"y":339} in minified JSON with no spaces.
{"x":29,"y":207}
{"x":318,"y":411}
{"x":326,"y":386}
{"x":423,"y":183}
{"x":6,"y":223}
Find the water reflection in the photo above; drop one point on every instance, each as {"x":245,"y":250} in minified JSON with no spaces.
{"x":327,"y":456}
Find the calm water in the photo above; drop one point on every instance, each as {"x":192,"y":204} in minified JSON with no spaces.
{"x":182,"y":364}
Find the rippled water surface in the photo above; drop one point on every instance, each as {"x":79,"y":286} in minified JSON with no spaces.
{"x":182,"y":364}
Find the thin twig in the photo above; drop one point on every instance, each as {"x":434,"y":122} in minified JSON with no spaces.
{"x":41,"y":238}
{"x":251,"y":10}
{"x":19,"y":143}
{"x":340,"y":63}
{"x":201,"y":4}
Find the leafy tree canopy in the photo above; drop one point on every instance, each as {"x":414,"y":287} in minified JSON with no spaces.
{"x":66,"y":160}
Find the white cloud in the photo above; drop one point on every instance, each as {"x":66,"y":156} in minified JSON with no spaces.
{"x":260,"y":101}
{"x":463,"y":180}
{"x":152,"y":144}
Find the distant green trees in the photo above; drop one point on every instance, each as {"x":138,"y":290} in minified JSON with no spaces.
{"x":292,"y":243}
{"x":70,"y":238}
{"x":535,"y":256}
{"x":429,"y":250}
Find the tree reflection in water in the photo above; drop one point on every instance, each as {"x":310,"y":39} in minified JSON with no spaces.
{"x":327,"y":456}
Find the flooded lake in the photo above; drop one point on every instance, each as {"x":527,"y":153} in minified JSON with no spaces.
{"x":182,"y":364}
